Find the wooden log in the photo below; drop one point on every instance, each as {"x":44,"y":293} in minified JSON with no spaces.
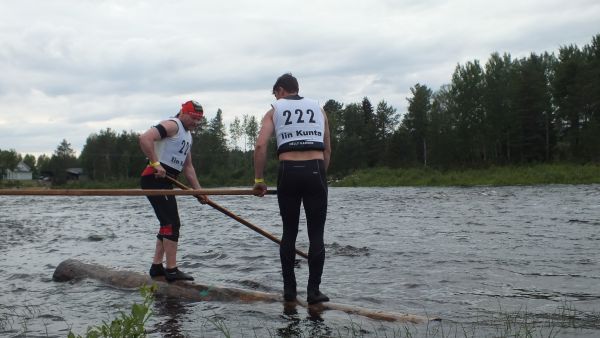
{"x":72,"y":269}
{"x":124,"y":192}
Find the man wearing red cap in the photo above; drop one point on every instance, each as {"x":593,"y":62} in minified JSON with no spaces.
{"x":167,"y":146}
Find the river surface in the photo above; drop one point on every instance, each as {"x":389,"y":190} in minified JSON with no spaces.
{"x":471,"y":256}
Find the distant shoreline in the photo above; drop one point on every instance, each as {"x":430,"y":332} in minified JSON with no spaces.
{"x":537,"y":174}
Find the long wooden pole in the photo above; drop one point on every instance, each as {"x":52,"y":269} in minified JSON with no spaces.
{"x":123,"y":192}
{"x":234,"y":216}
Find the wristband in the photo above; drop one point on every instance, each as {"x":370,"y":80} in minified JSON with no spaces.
{"x":154,"y":164}
{"x":259,"y":180}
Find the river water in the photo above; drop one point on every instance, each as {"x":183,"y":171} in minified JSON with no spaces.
{"x":471,"y":256}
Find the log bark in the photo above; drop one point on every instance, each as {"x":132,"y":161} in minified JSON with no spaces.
{"x":72,"y":269}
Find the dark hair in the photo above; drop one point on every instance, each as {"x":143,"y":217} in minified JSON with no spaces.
{"x":288,"y":82}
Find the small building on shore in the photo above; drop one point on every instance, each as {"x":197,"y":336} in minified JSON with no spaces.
{"x":76,"y":174}
{"x":21,"y":172}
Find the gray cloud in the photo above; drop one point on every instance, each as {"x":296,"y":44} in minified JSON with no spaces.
{"x":72,"y":67}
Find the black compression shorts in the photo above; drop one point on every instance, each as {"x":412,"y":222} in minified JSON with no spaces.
{"x":165,"y":207}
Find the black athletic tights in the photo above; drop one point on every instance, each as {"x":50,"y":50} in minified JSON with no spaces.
{"x":302,"y":182}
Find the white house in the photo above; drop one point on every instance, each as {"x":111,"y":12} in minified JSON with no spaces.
{"x":21,"y":172}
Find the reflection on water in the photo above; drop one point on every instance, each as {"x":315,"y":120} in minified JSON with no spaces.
{"x":312,"y":324}
{"x":454,"y":253}
{"x":293,"y":327}
{"x":171,"y":310}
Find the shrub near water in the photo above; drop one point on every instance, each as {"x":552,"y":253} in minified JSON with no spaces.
{"x":126,"y":325}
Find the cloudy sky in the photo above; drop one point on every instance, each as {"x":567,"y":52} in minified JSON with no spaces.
{"x":70,"y":68}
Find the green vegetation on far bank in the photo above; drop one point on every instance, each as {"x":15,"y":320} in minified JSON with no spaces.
{"x":386,"y":177}
{"x":492,"y":176}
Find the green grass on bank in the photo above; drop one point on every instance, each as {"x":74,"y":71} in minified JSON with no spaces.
{"x":492,"y":176}
{"x":386,"y":177}
{"x":130,"y":183}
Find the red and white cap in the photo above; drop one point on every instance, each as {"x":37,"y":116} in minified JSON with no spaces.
{"x":193,"y":108}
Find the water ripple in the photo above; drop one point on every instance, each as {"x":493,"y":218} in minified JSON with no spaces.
{"x":452,"y":252}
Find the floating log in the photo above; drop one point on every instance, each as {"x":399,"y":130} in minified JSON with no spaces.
{"x":72,"y":269}
{"x":126,"y":192}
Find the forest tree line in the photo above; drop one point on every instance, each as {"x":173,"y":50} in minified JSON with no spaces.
{"x":541,"y":108}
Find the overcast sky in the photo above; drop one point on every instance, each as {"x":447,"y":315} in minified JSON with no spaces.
{"x":70,"y":68}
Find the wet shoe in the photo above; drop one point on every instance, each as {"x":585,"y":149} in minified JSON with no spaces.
{"x":315,"y":297}
{"x":157,"y":270}
{"x":176,"y":274}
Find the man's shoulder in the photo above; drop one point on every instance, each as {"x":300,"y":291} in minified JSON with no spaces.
{"x":171,"y":125}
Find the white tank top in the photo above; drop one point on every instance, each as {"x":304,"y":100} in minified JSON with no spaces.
{"x":299,"y":124}
{"x":173,"y":150}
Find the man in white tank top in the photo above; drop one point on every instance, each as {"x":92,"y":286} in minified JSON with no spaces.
{"x":168,"y":149}
{"x":304,"y":150}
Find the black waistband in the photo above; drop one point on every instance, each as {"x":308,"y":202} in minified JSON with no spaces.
{"x":315,"y":164}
